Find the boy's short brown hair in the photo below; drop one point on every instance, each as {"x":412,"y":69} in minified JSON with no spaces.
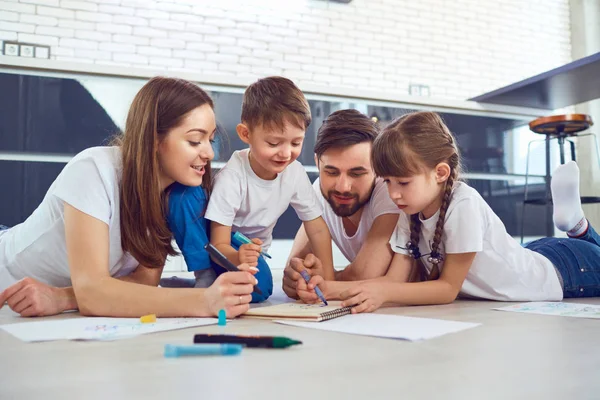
{"x":272,"y":101}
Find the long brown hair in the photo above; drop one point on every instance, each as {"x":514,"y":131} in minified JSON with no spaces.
{"x":158,"y":107}
{"x":410,"y":145}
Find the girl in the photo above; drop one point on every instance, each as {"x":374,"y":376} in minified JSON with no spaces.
{"x":102,"y":227}
{"x":456,"y":239}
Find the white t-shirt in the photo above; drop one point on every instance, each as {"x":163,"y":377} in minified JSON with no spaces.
{"x":36,"y":248}
{"x":502,"y":269}
{"x":252,"y":205}
{"x":379,"y":204}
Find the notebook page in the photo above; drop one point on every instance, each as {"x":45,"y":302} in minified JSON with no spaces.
{"x":293,"y":310}
{"x":387,"y":326}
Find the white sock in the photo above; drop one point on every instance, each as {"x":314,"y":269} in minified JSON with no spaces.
{"x":568,"y":214}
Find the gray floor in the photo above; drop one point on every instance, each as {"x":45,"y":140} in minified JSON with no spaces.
{"x":510,"y":356}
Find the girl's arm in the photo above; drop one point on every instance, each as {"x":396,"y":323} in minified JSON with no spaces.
{"x":374,"y":257}
{"x":320,"y":241}
{"x":370,"y":295}
{"x":99,"y":294}
{"x":400,"y":271}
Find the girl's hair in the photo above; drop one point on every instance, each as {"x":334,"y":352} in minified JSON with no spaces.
{"x":158,"y":107}
{"x":413,"y":144}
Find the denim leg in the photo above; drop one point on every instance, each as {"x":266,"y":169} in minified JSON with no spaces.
{"x":590,"y":235}
{"x":265,"y":279}
{"x":576,"y":259}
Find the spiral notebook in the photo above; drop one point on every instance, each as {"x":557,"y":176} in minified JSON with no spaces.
{"x":299,"y":312}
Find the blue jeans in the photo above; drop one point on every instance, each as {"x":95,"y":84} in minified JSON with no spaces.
{"x":577,"y":260}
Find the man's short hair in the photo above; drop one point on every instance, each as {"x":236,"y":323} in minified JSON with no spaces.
{"x":345,"y":128}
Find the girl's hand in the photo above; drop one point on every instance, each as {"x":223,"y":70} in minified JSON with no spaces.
{"x":364,"y":297}
{"x":232,"y":292}
{"x":31,"y":298}
{"x":249,"y":253}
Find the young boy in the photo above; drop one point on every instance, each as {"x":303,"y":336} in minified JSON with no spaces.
{"x":258,"y":184}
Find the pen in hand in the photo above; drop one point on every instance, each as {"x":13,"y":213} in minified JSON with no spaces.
{"x":317,"y":290}
{"x":224,"y":262}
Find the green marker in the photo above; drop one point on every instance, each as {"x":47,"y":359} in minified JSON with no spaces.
{"x":271,"y":342}
{"x":240,"y":237}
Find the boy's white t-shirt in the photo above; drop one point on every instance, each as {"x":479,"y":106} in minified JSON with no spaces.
{"x":502,"y":269}
{"x":379,"y":204}
{"x":252,"y":205}
{"x":36,"y":248}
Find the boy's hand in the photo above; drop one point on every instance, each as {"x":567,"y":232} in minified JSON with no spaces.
{"x":249,"y":253}
{"x":364,"y":297}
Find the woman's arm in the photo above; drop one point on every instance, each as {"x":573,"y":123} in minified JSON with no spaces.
{"x":100,"y":294}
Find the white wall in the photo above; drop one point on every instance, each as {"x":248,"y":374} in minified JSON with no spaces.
{"x":460,"y":48}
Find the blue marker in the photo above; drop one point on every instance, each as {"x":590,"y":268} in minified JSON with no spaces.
{"x":222,"y":318}
{"x":241,"y":238}
{"x":317,"y":290}
{"x":174,"y":350}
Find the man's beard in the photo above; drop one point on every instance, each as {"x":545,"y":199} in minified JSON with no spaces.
{"x":346,"y":210}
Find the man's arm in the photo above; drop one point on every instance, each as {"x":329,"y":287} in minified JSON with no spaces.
{"x":375,"y":255}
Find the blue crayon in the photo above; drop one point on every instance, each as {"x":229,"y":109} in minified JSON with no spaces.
{"x":240,"y":237}
{"x":317,"y":290}
{"x":174,"y":350}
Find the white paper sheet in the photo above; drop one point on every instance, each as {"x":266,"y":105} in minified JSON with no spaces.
{"x":556,"y":308}
{"x":387,"y":326}
{"x":97,"y":328}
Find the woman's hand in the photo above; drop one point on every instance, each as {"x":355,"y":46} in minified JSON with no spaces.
{"x":31,"y":298}
{"x":232,"y":292}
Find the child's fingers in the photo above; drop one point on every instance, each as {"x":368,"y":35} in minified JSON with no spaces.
{"x":251,"y":247}
{"x":354,"y":300}
{"x":315,"y":281}
{"x":257,"y":241}
{"x":350,"y":293}
{"x":362,"y":307}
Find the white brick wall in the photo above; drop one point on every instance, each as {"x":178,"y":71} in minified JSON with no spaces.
{"x":459,"y":48}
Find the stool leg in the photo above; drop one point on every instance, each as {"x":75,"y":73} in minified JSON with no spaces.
{"x":561,"y":146}
{"x":572,"y":144}
{"x":549,"y":222}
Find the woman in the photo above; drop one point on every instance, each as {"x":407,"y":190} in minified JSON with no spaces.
{"x":99,"y":239}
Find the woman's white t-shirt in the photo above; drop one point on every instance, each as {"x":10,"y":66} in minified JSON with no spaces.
{"x":36,"y":248}
{"x":502,"y":269}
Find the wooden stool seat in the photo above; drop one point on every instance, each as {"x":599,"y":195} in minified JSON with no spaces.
{"x":561,"y":125}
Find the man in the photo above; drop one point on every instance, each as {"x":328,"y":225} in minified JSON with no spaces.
{"x":357,"y":209}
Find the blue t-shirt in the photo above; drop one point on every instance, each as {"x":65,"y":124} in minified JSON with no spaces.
{"x":190,"y":229}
